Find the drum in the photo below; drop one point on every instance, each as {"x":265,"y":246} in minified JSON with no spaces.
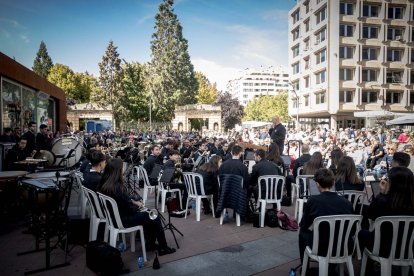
{"x":47,"y":156}
{"x":67,"y":148}
{"x":41,"y":194}
{"x":47,"y":175}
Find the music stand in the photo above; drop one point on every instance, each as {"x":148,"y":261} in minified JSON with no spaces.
{"x":166,"y":177}
{"x":155,"y":173}
{"x":249,"y":156}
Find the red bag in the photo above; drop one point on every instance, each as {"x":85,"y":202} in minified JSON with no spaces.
{"x":286,"y":222}
{"x":172,"y":204}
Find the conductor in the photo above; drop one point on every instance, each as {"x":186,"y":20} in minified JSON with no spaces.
{"x":278,"y":133}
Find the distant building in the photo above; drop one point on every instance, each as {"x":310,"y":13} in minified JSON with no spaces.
{"x":349,"y":56}
{"x":255,"y":82}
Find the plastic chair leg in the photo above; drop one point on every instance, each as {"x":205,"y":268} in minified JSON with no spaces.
{"x":341,"y":269}
{"x":132,"y":241}
{"x":305,"y":264}
{"x":212,"y":206}
{"x":186,"y":207}
{"x":364,"y":263}
{"x":237,"y":219}
{"x":296,"y":209}
{"x":144,"y":252}
{"x":350,"y":267}
{"x":262,"y":213}
{"x":106,"y":234}
{"x":222,"y":216}
{"x":163,"y":195}
{"x":112,"y":238}
{"x":198,"y":208}
{"x":145,"y":195}
{"x":323,"y":268}
{"x":386,"y":268}
{"x":93,"y":231}
{"x":181,"y":199}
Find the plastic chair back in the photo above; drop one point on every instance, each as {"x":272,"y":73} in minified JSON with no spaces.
{"x":111,"y":211}
{"x":342,"y":229}
{"x":191,"y":181}
{"x":302,"y":181}
{"x":94,"y":202}
{"x":355,"y":197}
{"x":272,"y":186}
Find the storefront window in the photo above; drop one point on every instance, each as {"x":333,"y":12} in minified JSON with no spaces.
{"x":11,"y":105}
{"x":51,"y":112}
{"x":28,"y":106}
{"x":42,"y":114}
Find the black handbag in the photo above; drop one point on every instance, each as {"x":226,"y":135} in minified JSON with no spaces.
{"x":104,"y":259}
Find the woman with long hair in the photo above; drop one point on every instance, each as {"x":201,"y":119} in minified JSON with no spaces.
{"x":274,"y":155}
{"x":112,"y":185}
{"x":347,"y":176}
{"x":315,"y":163}
{"x":209,"y":171}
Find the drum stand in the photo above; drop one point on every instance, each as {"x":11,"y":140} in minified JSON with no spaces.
{"x":51,"y":223}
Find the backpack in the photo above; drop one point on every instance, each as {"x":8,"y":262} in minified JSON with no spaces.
{"x":103,"y":259}
{"x":286,"y":222}
{"x":271,"y":218}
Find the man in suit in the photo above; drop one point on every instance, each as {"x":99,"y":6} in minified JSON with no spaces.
{"x":300,"y":162}
{"x":43,"y":141}
{"x":278,"y":133}
{"x":325,"y":204}
{"x":235,"y":166}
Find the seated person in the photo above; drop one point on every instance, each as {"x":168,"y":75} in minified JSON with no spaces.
{"x":152,"y":159}
{"x":17,"y":153}
{"x":209,"y":171}
{"x":176,"y":183}
{"x":92,"y":178}
{"x":235,"y":166}
{"x":347,"y":177}
{"x":325,"y":204}
{"x":385,"y":164}
{"x":112,"y":185}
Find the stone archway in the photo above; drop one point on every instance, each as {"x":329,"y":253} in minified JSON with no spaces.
{"x":210,"y":113}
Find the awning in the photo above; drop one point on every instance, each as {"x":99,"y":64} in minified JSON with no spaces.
{"x":404,"y":120}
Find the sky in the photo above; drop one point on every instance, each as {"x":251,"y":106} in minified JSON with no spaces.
{"x":224,"y":36}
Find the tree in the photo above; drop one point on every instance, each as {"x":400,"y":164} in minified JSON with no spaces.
{"x":42,"y":63}
{"x":136,"y":100}
{"x":77,"y":86}
{"x":265,"y":107}
{"x":207,"y":92}
{"x":231,"y":110}
{"x":110,"y":78}
{"x":172,"y":79}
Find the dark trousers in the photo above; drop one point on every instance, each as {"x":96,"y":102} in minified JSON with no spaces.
{"x":305,"y":239}
{"x":152,"y":228}
{"x":288,"y":184}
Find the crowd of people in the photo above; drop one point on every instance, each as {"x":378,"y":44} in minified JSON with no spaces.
{"x":338,"y":159}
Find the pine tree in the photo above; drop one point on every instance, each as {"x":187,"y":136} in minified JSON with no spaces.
{"x":110,"y":78}
{"x":43,"y":62}
{"x":172,"y":79}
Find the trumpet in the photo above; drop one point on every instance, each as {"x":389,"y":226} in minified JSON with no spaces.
{"x":153,"y":213}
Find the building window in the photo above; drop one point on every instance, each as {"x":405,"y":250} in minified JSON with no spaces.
{"x":245,"y":96}
{"x":393,"y":97}
{"x":295,"y":16}
{"x":306,"y":63}
{"x":370,"y":97}
{"x":395,"y":12}
{"x":295,"y":51}
{"x":306,"y":6}
{"x":369,"y":54}
{"x":395,"y":34}
{"x":307,"y":25}
{"x":346,"y":9}
{"x":346,"y":74}
{"x":320,"y":98}
{"x":296,"y":68}
{"x":306,"y":82}
{"x":394,"y":55}
{"x":321,"y":56}
{"x":306,"y":100}
{"x":346,"y":52}
{"x":321,"y":36}
{"x":370,"y":32}
{"x":321,"y":77}
{"x":369,"y":75}
{"x":295,"y":33}
{"x":346,"y":96}
{"x":370,"y":11}
{"x":321,"y":15}
{"x":394,"y":77}
{"x":411,"y":97}
{"x":345,"y":30}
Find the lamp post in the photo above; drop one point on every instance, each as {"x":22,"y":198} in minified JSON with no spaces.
{"x":297,"y":105}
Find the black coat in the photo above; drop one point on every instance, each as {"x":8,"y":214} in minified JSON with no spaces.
{"x":150,"y":162}
{"x":235,"y":166}
{"x":278,"y":135}
{"x":31,"y":141}
{"x":43,"y":142}
{"x":300,"y":162}
{"x":232,"y":195}
{"x":92,"y":180}
{"x":261,"y":168}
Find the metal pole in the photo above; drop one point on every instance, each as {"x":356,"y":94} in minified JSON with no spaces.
{"x":150,"y":111}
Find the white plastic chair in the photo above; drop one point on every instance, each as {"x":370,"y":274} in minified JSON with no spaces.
{"x":116,"y":227}
{"x":401,"y":252}
{"x":223,"y":212}
{"x":142,"y":174}
{"x":190,"y":181}
{"x":81,"y":198}
{"x":97,"y":215}
{"x":273,"y":186}
{"x":295,"y":188}
{"x":162,"y":191}
{"x":300,"y":202}
{"x":340,"y":227}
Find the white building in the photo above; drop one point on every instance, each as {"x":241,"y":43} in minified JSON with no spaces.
{"x":351,"y":55}
{"x":255,"y":82}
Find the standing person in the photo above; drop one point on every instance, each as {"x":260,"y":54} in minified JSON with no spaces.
{"x":278,"y":133}
{"x":43,"y":141}
{"x":30,"y":137}
{"x":112,"y":185}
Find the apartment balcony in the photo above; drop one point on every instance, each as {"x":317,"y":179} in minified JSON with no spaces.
{"x":370,"y":63}
{"x":370,"y":85}
{"x":347,"y":19}
{"x":395,"y":43}
{"x":372,"y":42}
{"x":397,"y":22}
{"x":371,"y":20}
{"x":348,"y":107}
{"x":347,"y":62}
{"x":348,"y":40}
{"x":398,"y":107}
{"x":349,"y":84}
{"x":395,"y":65}
{"x":395,"y":86}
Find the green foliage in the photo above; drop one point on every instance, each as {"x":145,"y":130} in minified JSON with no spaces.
{"x":231,"y":110}
{"x":110,"y":80}
{"x":265,"y":107}
{"x":136,"y":101}
{"x":172,"y":80}
{"x":77,"y":86}
{"x":207,"y":92}
{"x":43,"y":62}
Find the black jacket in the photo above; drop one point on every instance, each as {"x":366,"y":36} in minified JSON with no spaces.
{"x":278,"y":134}
{"x":43,"y":142}
{"x":235,"y":166}
{"x":150,"y":162}
{"x":31,"y":141}
{"x":232,"y":195}
{"x":261,"y":168}
{"x":92,"y":180}
{"x":300,"y":162}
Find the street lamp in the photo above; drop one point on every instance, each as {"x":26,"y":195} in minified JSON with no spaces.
{"x":297,"y":104}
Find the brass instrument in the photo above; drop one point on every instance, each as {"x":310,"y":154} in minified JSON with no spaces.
{"x":153,"y":213}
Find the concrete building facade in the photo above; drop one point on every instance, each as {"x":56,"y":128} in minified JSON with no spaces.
{"x":350,"y":56}
{"x":253,"y":83}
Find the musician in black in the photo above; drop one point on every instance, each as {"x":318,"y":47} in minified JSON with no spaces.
{"x":30,"y":137}
{"x":186,"y":149}
{"x":152,"y":159}
{"x":43,"y":141}
{"x":278,"y":133}
{"x":17,"y":153}
{"x":174,"y":162}
{"x":92,"y":177}
{"x":235,"y":166}
{"x":169,"y":145}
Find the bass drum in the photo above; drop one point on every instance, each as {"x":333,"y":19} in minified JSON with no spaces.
{"x":69,"y":148}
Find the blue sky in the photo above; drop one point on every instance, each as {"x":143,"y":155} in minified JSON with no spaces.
{"x":224,"y":36}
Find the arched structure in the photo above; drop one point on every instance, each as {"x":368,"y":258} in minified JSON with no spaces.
{"x":210,"y":113}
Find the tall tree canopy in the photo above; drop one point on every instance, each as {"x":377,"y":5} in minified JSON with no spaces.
{"x":231,"y":110}
{"x":172,"y":79}
{"x":136,"y":100}
{"x":110,"y":78}
{"x":43,"y":62}
{"x":207,"y":92}
{"x":265,"y":107}
{"x":77,"y":86}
